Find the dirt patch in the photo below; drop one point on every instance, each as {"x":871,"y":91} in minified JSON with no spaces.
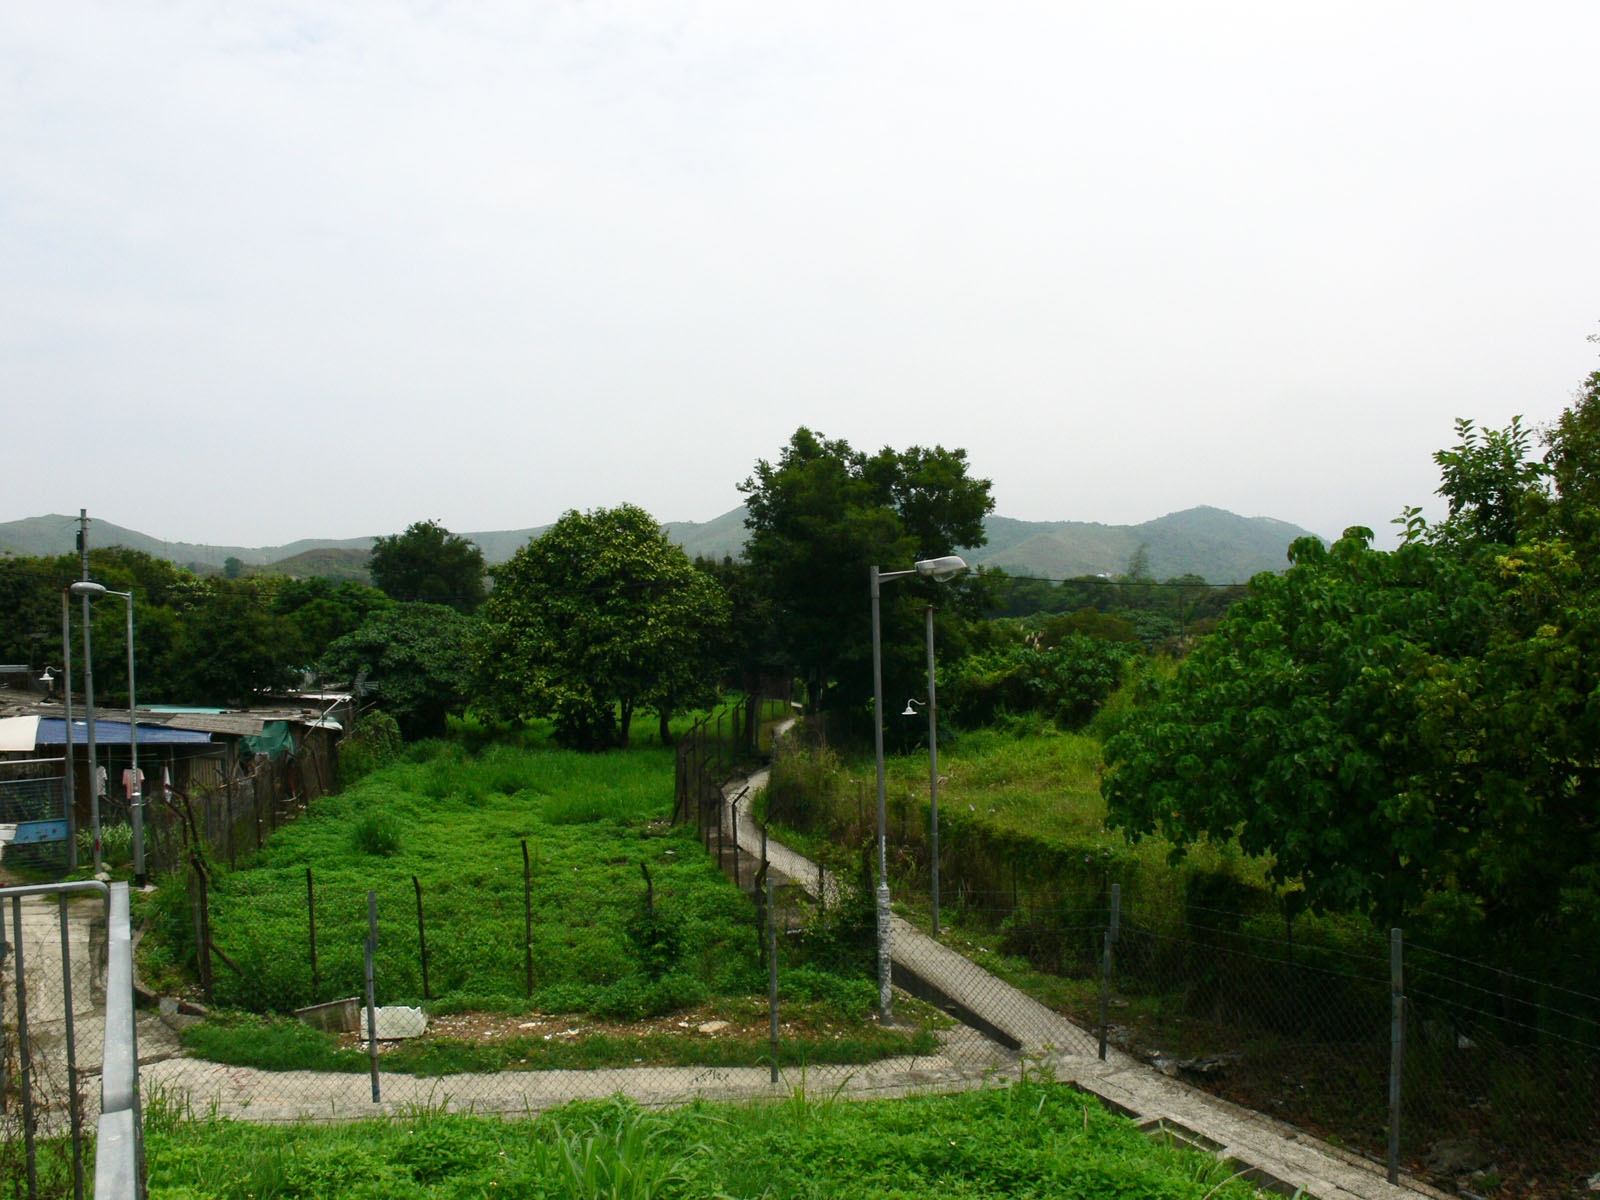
{"x":486,"y":1028}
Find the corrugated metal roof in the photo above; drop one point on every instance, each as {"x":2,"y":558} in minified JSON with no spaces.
{"x":237,"y":724}
{"x":53,"y":732}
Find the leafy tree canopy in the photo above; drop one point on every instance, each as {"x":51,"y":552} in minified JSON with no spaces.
{"x":1412,"y":732}
{"x":599,"y":616}
{"x":822,"y":516}
{"x":427,"y":564}
{"x":417,"y":657}
{"x":323,"y":610}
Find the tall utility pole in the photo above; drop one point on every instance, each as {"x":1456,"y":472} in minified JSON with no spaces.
{"x":88,"y":689}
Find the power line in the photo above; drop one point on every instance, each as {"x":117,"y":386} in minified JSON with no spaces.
{"x":1141,"y":583}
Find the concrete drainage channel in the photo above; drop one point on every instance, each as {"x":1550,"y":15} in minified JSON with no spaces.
{"x":1171,"y":1133}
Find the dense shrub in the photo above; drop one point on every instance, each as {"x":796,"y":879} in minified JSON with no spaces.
{"x":1067,"y":682}
{"x":802,"y":782}
{"x":373,"y":743}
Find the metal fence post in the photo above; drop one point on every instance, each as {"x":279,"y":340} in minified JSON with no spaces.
{"x":422,"y":937}
{"x":74,"y":1108}
{"x":311,"y":920}
{"x":1113,"y":927}
{"x":1397,"y":1046}
{"x":372,"y":1002}
{"x":24,"y":1052}
{"x":772,"y":957}
{"x":527,"y":922}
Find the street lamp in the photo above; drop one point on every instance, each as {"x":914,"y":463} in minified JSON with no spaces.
{"x":88,"y":590}
{"x":68,"y":784}
{"x":932,"y":705}
{"x":941,"y":570}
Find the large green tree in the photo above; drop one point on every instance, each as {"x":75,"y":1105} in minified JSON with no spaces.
{"x":595,"y":619}
{"x":1411,"y":732}
{"x":821,"y":516}
{"x":427,"y":564}
{"x":416,"y":657}
{"x":324,"y":610}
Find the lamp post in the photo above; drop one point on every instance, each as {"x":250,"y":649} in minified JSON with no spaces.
{"x":940,"y":569}
{"x":932,"y":705}
{"x":88,"y":591}
{"x":135,"y":784}
{"x":69,"y":783}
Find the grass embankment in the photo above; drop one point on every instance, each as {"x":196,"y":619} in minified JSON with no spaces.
{"x":453,"y":824}
{"x":1031,"y":1140}
{"x":1026,"y":858}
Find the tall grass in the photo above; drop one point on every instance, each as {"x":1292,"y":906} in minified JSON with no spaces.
{"x":1033,"y":1139}
{"x":456,"y":821}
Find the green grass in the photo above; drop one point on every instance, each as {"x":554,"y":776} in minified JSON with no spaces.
{"x":285,"y":1044}
{"x":456,"y":821}
{"x":1035,"y":1139}
{"x":1020,"y":815}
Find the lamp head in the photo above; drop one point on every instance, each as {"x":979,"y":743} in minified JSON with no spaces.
{"x":47,"y":679}
{"x":85,"y":587}
{"x":941,"y":569}
{"x":911,"y":707}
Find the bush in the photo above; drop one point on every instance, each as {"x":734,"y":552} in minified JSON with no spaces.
{"x":373,"y":743}
{"x":1067,"y":682}
{"x":377,"y":832}
{"x":803,"y":781}
{"x":116,"y":844}
{"x":656,"y":939}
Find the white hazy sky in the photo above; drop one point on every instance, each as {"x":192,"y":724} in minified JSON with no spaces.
{"x":280,"y":270}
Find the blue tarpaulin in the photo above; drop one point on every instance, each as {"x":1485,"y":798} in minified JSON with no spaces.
{"x":53,"y":732}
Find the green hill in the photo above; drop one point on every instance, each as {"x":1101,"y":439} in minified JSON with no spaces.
{"x":1217,"y":545}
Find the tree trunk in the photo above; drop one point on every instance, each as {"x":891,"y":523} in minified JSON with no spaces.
{"x":664,"y":715}
{"x":624,"y":723}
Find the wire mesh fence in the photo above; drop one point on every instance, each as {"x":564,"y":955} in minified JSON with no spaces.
{"x":32,"y":815}
{"x":469,"y":1017}
{"x":535,"y":991}
{"x":52,"y":991}
{"x":1438,"y":1066}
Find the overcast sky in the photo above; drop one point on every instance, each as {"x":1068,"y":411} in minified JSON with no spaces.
{"x":322,"y":269}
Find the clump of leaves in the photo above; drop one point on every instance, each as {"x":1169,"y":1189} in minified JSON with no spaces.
{"x":656,"y":938}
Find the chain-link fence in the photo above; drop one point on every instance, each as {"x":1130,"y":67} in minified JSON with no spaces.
{"x":1432,"y":1064}
{"x":33,"y":820}
{"x":230,"y":806}
{"x":52,"y":1031}
{"x":468,"y":1016}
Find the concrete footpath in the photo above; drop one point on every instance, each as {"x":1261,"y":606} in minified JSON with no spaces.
{"x":1272,"y":1154}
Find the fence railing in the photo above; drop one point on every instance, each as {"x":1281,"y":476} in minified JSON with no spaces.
{"x":67,"y":991}
{"x":1433,"y":1065}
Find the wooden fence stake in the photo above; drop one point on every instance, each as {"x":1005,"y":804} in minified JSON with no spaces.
{"x":422,"y":937}
{"x":527,"y":921}
{"x":311,"y":917}
{"x":372,"y":998}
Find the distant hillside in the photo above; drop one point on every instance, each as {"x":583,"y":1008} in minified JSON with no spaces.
{"x":331,"y":563}
{"x":1210,"y":542}
{"x":1217,"y":545}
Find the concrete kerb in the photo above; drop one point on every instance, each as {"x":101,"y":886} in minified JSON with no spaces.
{"x":965,"y":1060}
{"x":1275,"y":1156}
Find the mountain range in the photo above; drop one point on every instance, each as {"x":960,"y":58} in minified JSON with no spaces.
{"x":1217,"y":545}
